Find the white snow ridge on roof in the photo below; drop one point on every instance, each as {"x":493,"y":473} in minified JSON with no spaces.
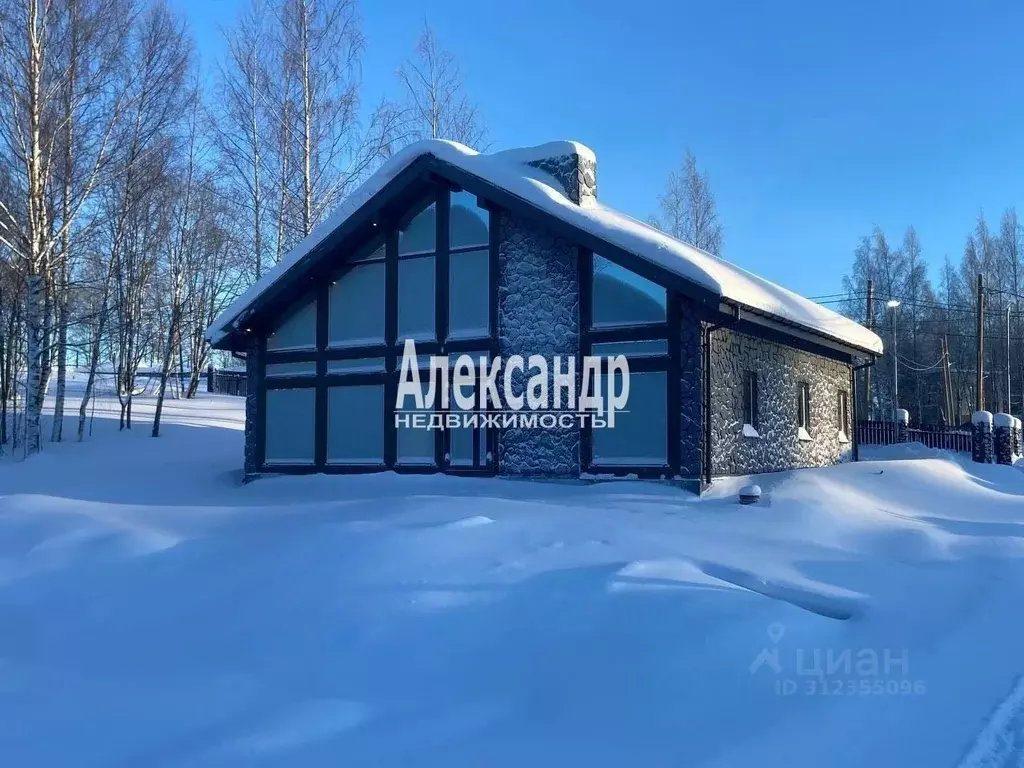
{"x":509,"y":171}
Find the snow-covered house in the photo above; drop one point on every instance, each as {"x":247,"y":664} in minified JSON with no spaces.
{"x":511,"y":253}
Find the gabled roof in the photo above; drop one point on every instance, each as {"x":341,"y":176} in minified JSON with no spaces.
{"x":509,"y":172}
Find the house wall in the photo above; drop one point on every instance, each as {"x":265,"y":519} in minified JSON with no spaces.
{"x":691,"y":401}
{"x":780,"y":368}
{"x":538,"y":314}
{"x":253,"y":416}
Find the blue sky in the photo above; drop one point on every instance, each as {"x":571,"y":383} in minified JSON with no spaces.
{"x":815,"y":120}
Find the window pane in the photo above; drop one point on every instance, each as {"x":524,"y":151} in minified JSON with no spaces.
{"x":361,"y":365}
{"x":415,"y":444}
{"x":355,"y":425}
{"x":623,"y":298}
{"x":651,"y":348}
{"x":469,"y":301}
{"x":639,"y":437}
{"x":416,"y":299}
{"x":289,"y":421}
{"x":297,"y":330}
{"x":419,"y":237}
{"x":469,"y":222}
{"x":357,"y":307}
{"x":275,"y":370}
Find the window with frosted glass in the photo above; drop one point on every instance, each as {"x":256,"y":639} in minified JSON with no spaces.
{"x":416,"y":299}
{"x":289,"y":434}
{"x":469,"y":298}
{"x":639,"y":437}
{"x":356,"y":315}
{"x":419,"y":236}
{"x":622,"y":298}
{"x":468,"y":222}
{"x":297,"y":330}
{"x":355,"y":425}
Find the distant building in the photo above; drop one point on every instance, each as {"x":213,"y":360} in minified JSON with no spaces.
{"x":511,"y":254}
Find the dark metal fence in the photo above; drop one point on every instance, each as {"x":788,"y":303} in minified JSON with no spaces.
{"x":932,"y":435}
{"x":227,"y":382}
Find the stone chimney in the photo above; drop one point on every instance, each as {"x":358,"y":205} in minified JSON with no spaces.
{"x":571,"y":164}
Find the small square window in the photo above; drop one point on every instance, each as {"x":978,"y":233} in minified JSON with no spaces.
{"x":803,"y":406}
{"x":750,"y":398}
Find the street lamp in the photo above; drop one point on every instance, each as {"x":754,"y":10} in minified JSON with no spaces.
{"x":893,"y":304}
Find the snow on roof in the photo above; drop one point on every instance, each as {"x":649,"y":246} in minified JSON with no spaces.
{"x":508,"y":171}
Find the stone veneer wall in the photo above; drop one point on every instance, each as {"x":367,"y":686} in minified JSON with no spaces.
{"x":538,"y":314}
{"x":691,"y":422}
{"x":780,"y":369}
{"x":252,"y":415}
{"x":577,"y":175}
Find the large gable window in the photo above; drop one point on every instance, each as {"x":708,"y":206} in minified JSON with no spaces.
{"x":623,"y":298}
{"x":426,"y":276}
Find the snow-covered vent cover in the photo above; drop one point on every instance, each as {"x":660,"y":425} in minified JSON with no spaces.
{"x":903,"y":415}
{"x":1004,"y":420}
{"x":982,"y":417}
{"x":527,"y":174}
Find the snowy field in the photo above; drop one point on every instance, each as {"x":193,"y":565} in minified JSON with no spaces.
{"x":154,"y":612}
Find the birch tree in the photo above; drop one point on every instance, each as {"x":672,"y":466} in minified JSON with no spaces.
{"x":687,"y":208}
{"x":59,"y":67}
{"x":435,"y":99}
{"x":244,"y":138}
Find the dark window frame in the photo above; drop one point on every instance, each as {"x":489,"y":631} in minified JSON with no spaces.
{"x":751,"y":412}
{"x":803,"y":399}
{"x":843,"y":411}
{"x":669,"y":363}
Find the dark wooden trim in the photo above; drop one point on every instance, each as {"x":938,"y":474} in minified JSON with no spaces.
{"x":353,"y":379}
{"x":261,"y":403}
{"x":310,"y":355}
{"x":356,"y":353}
{"x":441,"y":261}
{"x":493,"y":272}
{"x":585,"y":266}
{"x":674,"y":383}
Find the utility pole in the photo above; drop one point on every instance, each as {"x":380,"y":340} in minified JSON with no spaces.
{"x":870,"y":316}
{"x":979,"y":395}
{"x":1008,"y":406}
{"x":894,"y":305}
{"x":947,"y":381}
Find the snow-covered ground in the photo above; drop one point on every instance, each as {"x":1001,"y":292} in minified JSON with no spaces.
{"x":154,"y":612}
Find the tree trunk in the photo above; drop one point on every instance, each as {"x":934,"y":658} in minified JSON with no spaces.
{"x":34,"y":329}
